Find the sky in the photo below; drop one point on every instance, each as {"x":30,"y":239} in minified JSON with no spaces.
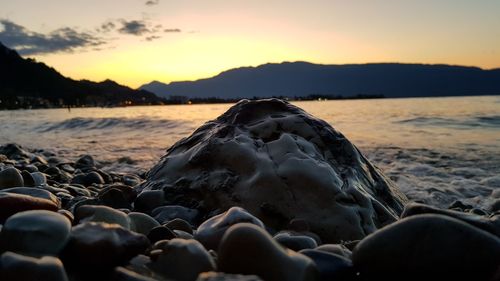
{"x":136,"y":41}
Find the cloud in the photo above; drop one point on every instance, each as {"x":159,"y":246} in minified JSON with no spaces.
{"x":152,"y":37}
{"x":28,"y":42}
{"x":171,"y":30}
{"x":107,"y":26}
{"x":135,"y":27}
{"x":152,"y":2}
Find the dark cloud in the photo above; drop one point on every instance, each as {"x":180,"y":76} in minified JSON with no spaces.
{"x":171,"y":30}
{"x":152,"y":2}
{"x":135,"y":27}
{"x":108,"y":26}
{"x":28,"y":42}
{"x":152,"y":37}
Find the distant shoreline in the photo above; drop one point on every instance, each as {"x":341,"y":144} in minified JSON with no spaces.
{"x":229,"y":101}
{"x":33,"y":104}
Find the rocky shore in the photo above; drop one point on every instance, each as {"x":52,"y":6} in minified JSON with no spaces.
{"x":264,"y":192}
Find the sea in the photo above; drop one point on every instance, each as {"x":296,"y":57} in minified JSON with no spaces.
{"x":437,"y":150}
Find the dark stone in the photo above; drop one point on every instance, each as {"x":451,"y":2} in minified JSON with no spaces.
{"x":14,"y":151}
{"x":85,"y":162}
{"x":429,"y":246}
{"x":27,"y":179}
{"x":221,"y":276}
{"x":10,"y":177}
{"x":115,"y":198}
{"x":491,"y":225}
{"x":248,"y":249}
{"x":160,"y":233}
{"x":166,"y":213}
{"x":123,"y":274}
{"x":102,"y":246}
{"x":210,"y":232}
{"x":331,"y":266}
{"x":16,"y":267}
{"x":295,"y":242}
{"x":149,"y":200}
{"x":179,"y":224}
{"x":181,"y":260}
{"x":11,"y":203}
{"x":88,"y":179}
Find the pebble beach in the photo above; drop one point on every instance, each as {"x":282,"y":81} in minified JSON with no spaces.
{"x":265,"y":191}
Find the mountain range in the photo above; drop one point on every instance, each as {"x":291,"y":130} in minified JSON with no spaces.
{"x":300,"y":79}
{"x":27,"y":83}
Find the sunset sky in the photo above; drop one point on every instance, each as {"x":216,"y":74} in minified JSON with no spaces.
{"x":136,"y":41}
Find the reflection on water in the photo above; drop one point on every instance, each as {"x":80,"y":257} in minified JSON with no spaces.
{"x":430,"y":146}
{"x":144,"y":132}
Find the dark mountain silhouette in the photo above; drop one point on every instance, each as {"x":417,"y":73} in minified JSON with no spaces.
{"x":25,"y":82}
{"x":301,"y":79}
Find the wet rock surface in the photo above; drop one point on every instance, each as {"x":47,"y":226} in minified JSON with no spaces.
{"x":279,"y":163}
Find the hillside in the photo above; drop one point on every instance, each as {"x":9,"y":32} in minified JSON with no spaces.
{"x":295,"y":79}
{"x":30,"y":84}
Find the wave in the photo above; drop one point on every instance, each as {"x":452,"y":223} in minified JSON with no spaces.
{"x":457,"y":123}
{"x":80,"y":123}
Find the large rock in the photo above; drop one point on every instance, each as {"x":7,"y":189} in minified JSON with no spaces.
{"x":279,"y":163}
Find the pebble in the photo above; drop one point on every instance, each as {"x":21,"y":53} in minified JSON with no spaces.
{"x":485,"y":223}
{"x":183,"y":235}
{"x":99,"y":213}
{"x":248,"y":249}
{"x":36,"y":232}
{"x":210,"y":232}
{"x":160,"y":233}
{"x":14,"y":151}
{"x":115,"y":198}
{"x":141,"y":223}
{"x":85,"y":162}
{"x":428,"y":246}
{"x":179,"y":224}
{"x":220,"y":276}
{"x":182,"y":260}
{"x":131,"y":180}
{"x":11,"y":203}
{"x":146,"y":201}
{"x":295,"y":241}
{"x":331,"y":266}
{"x":166,"y":213}
{"x":16,"y":267}
{"x":10,"y":177}
{"x":337,"y":249}
{"x":100,"y":246}
{"x":39,"y":178}
{"x":27,"y":179}
{"x":88,"y":179}
{"x":35,"y":192}
{"x":123,"y":274}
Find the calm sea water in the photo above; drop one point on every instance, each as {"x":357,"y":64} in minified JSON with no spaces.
{"x":437,"y":149}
